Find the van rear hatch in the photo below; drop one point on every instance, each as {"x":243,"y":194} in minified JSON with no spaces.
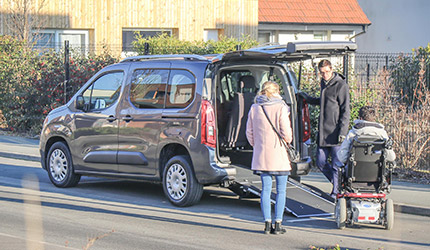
{"x":293,"y":51}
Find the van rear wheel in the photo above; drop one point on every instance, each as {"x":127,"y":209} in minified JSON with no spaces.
{"x":179,"y":182}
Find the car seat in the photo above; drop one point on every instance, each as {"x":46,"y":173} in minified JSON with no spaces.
{"x":242,"y":102}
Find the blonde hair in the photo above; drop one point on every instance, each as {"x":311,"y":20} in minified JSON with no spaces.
{"x":269,"y":89}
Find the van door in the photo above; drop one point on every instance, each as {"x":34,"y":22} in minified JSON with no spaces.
{"x":140,"y":120}
{"x":95,"y":138}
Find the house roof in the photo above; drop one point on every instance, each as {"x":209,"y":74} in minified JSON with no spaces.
{"x":311,"y":11}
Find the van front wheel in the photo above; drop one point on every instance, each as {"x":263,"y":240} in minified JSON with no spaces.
{"x":60,"y":166}
{"x":179,"y":182}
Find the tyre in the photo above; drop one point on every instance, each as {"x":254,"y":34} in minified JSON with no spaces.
{"x":179,"y":182}
{"x":60,"y":166}
{"x":389,"y":214}
{"x":341,"y":213}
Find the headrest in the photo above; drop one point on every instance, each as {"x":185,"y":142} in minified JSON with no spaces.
{"x":248,"y":81}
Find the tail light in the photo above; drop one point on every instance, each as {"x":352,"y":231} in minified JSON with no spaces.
{"x":208,"y":126}
{"x":306,"y":122}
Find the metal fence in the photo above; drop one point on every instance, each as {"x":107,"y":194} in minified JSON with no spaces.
{"x":406,"y":114}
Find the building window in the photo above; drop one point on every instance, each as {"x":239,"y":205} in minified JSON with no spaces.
{"x":210,"y":35}
{"x":78,"y":39}
{"x":264,"y":37}
{"x":320,"y":36}
{"x":130,"y":35}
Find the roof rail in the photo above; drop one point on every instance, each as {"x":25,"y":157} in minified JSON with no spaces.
{"x":297,"y":47}
{"x":165,"y":57}
{"x":308,"y":47}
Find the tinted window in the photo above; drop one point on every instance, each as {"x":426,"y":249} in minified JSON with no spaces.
{"x":104,"y":91}
{"x":180,"y":92}
{"x":148,"y":88}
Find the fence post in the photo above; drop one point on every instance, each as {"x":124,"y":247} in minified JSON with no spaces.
{"x":66,"y":68}
{"x":146,"y":49}
{"x":368,"y":73}
{"x":386,"y":62}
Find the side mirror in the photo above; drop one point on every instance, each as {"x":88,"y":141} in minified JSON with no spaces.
{"x":80,"y":102}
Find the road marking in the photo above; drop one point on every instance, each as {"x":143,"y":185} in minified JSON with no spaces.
{"x":24,"y":239}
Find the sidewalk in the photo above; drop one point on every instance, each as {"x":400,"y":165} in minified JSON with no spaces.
{"x":408,"y":197}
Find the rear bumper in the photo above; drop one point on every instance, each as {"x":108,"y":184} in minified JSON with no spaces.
{"x":209,"y":170}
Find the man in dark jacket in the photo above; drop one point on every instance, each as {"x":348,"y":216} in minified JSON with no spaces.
{"x":333,"y":120}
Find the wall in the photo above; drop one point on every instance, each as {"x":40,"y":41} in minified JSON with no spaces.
{"x":188,"y":19}
{"x":397,"y":25}
{"x":284,"y":33}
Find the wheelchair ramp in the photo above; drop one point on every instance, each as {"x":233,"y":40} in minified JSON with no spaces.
{"x":302,"y":201}
{"x":305,"y":201}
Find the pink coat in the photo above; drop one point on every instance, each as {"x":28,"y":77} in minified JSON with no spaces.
{"x":268,"y":153}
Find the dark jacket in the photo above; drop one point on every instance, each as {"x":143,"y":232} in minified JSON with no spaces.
{"x":334,"y":114}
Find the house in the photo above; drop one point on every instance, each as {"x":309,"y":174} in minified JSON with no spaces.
{"x":91,"y":24}
{"x":397,"y":26}
{"x":283,"y":21}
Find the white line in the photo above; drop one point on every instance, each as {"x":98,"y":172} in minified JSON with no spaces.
{"x":41,"y":242}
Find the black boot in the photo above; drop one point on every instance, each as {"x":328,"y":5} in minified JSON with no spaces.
{"x":268,"y":227}
{"x":278,"y":228}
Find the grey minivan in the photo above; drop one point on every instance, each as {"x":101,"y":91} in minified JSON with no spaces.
{"x":175,"y":119}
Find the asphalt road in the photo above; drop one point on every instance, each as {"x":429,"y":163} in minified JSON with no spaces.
{"x":134,"y":215}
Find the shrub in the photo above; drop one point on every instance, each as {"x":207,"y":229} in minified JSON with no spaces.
{"x":401,"y":96}
{"x":406,"y":71}
{"x":166,"y":44}
{"x":32,"y":82}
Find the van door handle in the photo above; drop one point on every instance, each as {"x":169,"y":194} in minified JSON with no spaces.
{"x":127,"y":118}
{"x":111,"y":118}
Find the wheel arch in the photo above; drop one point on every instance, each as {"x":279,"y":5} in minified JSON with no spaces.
{"x":49,"y":144}
{"x":169,"y":151}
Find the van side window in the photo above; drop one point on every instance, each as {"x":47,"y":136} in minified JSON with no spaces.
{"x":180,"y":91}
{"x":148,"y":88}
{"x":104,"y":91}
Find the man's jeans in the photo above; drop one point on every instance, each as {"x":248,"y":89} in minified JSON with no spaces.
{"x":329,"y":169}
{"x":281,"y":194}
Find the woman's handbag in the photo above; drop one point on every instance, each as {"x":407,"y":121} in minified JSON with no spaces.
{"x":293,"y":154}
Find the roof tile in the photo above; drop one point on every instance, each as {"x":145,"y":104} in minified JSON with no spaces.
{"x":311,"y":11}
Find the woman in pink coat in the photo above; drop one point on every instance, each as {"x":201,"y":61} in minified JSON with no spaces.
{"x":270,"y":157}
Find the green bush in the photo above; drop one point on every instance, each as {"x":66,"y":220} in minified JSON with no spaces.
{"x":405,"y":73}
{"x":165,"y":44}
{"x":32,"y":82}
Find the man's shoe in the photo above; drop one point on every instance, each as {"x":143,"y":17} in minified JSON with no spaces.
{"x":268,"y":227}
{"x":278,"y":228}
